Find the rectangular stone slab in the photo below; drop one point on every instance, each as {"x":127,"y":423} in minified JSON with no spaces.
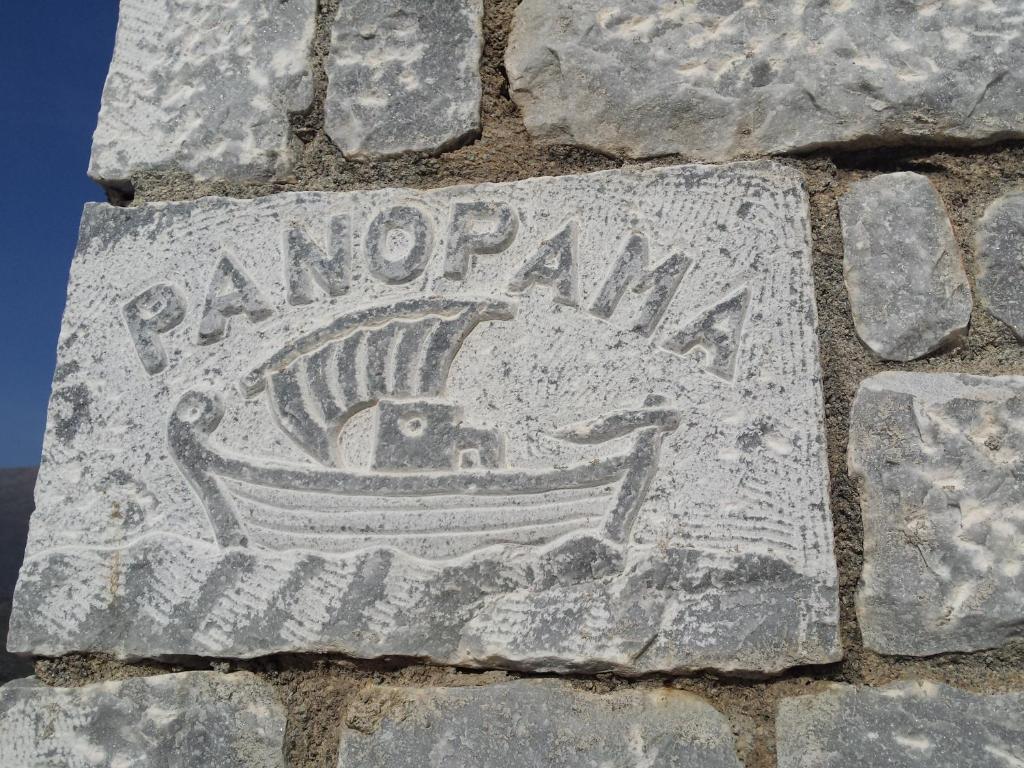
{"x":936,"y":457}
{"x":404,"y":77}
{"x":999,"y":245}
{"x":914,"y":724}
{"x":564,"y":423}
{"x":188,"y":720}
{"x":527,"y":724}
{"x":903,"y":270}
{"x":204,"y":88}
{"x":723,"y":79}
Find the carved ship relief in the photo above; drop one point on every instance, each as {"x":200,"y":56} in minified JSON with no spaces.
{"x":437,"y":487}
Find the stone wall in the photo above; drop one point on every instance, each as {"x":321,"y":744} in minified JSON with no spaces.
{"x":839,"y":112}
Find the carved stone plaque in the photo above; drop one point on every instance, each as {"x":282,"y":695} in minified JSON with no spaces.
{"x":564,"y":423}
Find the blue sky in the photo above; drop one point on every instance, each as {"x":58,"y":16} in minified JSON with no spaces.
{"x":53,"y":60}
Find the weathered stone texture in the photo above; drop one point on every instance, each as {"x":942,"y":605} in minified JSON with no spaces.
{"x":528,"y":724}
{"x":717,"y":80}
{"x":1000,"y":259}
{"x":188,"y":720}
{"x":937,"y":458}
{"x":564,"y":423}
{"x":905,"y":725}
{"x":205,"y":88}
{"x":404,"y":76}
{"x":904,"y":273}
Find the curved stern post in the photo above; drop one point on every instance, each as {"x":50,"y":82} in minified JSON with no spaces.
{"x":650,"y":424}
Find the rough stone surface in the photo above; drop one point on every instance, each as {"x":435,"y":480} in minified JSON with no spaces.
{"x":188,"y":720}
{"x":720,"y":79}
{"x":904,"y":273}
{"x":404,"y":76}
{"x":937,"y":458}
{"x":1000,"y":259}
{"x":906,"y":725}
{"x":579,"y":419}
{"x":536,"y":723}
{"x":204,"y":88}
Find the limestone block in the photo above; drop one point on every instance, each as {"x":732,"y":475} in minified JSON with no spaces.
{"x":936,"y":458}
{"x":1000,"y":257}
{"x":534,"y":723}
{"x":205,"y":88}
{"x":914,"y":724}
{"x":904,"y":273}
{"x":721,"y":79}
{"x":563,"y":423}
{"x":404,"y":76}
{"x":187,"y":720}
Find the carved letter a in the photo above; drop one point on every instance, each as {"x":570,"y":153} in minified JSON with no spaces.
{"x":554,"y":265}
{"x":716,"y":332}
{"x":231,"y":292}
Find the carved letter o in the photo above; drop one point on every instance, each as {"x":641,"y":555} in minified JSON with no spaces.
{"x":401,"y":222}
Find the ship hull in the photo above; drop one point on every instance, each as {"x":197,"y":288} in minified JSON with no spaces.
{"x":439,"y":526}
{"x":428,"y":514}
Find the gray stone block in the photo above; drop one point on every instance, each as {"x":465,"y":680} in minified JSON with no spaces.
{"x":912,"y":724}
{"x":722,"y":79}
{"x":205,"y":88}
{"x":1000,"y":258}
{"x":187,"y":720}
{"x":936,"y":458}
{"x":564,"y":423}
{"x":528,"y":724}
{"x":404,"y":76}
{"x":904,"y":273}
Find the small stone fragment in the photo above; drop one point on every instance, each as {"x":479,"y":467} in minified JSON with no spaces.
{"x":187,"y":720}
{"x":937,"y":460}
{"x":527,"y":724}
{"x":908,"y":289}
{"x":404,"y":76}
{"x":721,"y":79}
{"x":1000,"y":256}
{"x":205,"y":88}
{"x":914,"y":724}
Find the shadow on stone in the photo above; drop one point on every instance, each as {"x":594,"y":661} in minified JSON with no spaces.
{"x":16,"y":505}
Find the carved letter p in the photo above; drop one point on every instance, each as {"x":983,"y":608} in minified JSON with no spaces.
{"x":154,"y":311}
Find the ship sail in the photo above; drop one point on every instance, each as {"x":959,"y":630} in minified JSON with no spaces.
{"x":404,"y":350}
